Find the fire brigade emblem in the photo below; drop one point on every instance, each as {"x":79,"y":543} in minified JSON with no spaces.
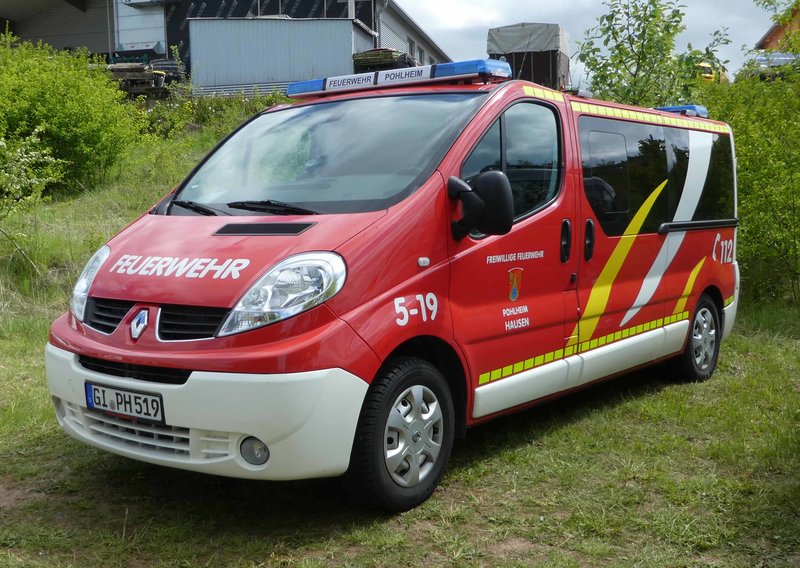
{"x":139,"y":324}
{"x":514,"y":284}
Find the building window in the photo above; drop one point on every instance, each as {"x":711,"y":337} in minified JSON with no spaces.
{"x":431,"y":61}
{"x":412,"y":47}
{"x":421,"y":56}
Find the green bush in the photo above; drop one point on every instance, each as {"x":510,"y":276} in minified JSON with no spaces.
{"x":763,"y":115}
{"x":26,"y":168}
{"x":81,"y":114}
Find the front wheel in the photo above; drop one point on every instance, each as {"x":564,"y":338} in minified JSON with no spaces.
{"x":699,"y":359}
{"x":404,"y":436}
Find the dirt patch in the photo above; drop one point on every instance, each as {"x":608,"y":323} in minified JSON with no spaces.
{"x":515,"y":548}
{"x":11,"y":496}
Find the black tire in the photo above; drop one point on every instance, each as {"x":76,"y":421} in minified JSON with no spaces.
{"x":407,"y":414}
{"x":699,"y":358}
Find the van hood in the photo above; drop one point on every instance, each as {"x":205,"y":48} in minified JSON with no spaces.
{"x":212,"y":261}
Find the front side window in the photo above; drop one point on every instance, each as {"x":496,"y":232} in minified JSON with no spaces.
{"x":334,"y":157}
{"x":522,"y":143}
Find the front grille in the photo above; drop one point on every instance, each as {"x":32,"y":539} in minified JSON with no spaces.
{"x":176,"y":323}
{"x":105,"y":315}
{"x":176,"y":443}
{"x":165,"y":375}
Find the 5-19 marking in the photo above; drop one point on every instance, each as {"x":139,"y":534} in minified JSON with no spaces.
{"x":428,"y":308}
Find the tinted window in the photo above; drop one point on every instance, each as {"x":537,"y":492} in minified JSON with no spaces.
{"x":531,"y":155}
{"x":678,"y":166}
{"x":335,"y":157}
{"x":485,"y":157}
{"x":717,"y":201}
{"x":608,"y":186}
{"x":523,"y":143}
{"x":623,"y":163}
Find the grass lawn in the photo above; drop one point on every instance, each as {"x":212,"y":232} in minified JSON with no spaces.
{"x":640,"y":471}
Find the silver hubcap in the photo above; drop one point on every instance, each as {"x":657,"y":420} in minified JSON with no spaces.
{"x":704,"y":339}
{"x":413,"y":437}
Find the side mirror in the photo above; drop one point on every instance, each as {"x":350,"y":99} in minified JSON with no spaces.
{"x":489,"y":207}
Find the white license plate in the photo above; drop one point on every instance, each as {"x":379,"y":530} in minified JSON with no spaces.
{"x":125,"y":403}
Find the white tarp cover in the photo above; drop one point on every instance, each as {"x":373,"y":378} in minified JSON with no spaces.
{"x":520,"y":38}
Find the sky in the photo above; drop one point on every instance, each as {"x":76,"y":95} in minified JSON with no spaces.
{"x":460,"y":27}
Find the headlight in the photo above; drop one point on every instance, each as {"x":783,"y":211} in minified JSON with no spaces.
{"x":295,"y":285}
{"x":81,"y":291}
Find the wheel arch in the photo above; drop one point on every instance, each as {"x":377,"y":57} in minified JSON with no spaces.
{"x":714,"y":293}
{"x":443,"y":356}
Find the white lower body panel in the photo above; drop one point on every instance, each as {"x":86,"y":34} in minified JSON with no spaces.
{"x":307,"y":420}
{"x":579,"y":369}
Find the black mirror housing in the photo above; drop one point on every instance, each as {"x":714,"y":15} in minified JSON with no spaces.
{"x":489,"y":208}
{"x":495,"y":190}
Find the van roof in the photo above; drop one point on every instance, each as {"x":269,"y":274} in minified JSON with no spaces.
{"x":485,"y":74}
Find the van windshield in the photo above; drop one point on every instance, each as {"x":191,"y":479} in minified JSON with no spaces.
{"x":347,"y":156}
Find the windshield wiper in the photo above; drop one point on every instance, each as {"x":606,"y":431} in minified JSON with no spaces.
{"x":271,"y":206}
{"x":196,"y":207}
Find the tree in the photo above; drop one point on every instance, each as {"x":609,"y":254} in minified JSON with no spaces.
{"x":630,"y":54}
{"x":762,"y":110}
{"x":763,"y":115}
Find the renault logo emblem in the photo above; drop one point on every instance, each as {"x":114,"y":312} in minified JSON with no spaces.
{"x":139,"y":324}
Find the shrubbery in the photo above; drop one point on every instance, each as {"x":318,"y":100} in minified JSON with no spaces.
{"x":78,"y":114}
{"x":220,"y":114}
{"x":26,"y":168}
{"x":763,"y":115}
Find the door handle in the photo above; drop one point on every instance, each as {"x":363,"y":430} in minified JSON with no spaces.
{"x":566,"y":239}
{"x":588,"y":240}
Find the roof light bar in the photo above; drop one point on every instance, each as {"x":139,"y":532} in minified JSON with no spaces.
{"x":687,"y":110}
{"x":475,"y":69}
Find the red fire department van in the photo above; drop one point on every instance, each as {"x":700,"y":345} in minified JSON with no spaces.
{"x":347,"y":283}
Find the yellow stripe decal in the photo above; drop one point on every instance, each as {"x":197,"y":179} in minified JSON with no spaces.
{"x":598,"y":297}
{"x":601,"y":110}
{"x":687,"y":290}
{"x":729,"y":301}
{"x":541,"y":93}
{"x":559,"y":354}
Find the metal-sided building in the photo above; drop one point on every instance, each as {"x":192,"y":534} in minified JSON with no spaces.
{"x":240,"y":44}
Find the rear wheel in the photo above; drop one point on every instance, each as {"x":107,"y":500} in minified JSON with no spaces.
{"x":699,"y":359}
{"x":404,"y":436}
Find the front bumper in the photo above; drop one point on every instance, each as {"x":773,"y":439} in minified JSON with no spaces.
{"x":308,"y":420}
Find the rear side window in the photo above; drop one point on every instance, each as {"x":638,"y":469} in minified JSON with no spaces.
{"x":623,"y":163}
{"x":717,"y":201}
{"x":524,"y":144}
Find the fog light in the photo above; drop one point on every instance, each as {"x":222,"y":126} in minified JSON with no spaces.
{"x":254,"y":451}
